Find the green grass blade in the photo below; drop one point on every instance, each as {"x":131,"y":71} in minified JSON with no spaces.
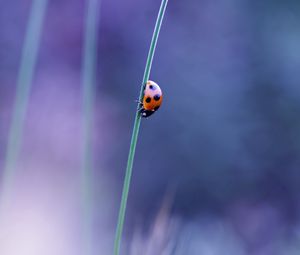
{"x":25,"y":76}
{"x":135,"y":131}
{"x":88,"y":83}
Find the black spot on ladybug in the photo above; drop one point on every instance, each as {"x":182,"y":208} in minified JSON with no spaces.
{"x":156,"y":97}
{"x":156,"y":108}
{"x":148,"y":99}
{"x":152,"y":87}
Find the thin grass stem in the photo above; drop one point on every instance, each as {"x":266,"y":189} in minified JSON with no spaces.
{"x":24,"y":81}
{"x":88,"y":84}
{"x":135,"y":132}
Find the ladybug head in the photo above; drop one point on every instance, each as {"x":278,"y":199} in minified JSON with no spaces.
{"x":146,"y":113}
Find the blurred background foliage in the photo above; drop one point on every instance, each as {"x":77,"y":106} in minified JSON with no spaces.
{"x":224,"y":147}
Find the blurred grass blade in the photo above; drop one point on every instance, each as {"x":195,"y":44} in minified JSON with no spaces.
{"x":25,"y":77}
{"x":135,"y":131}
{"x":88,"y":83}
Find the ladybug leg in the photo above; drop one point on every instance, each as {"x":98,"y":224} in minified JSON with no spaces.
{"x":140,"y":106}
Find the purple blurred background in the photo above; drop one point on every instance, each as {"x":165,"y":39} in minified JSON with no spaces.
{"x":217,"y":167}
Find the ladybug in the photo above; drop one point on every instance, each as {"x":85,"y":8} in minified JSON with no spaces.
{"x":152,"y":99}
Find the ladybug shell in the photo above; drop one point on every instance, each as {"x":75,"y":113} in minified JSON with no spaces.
{"x":152,"y":99}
